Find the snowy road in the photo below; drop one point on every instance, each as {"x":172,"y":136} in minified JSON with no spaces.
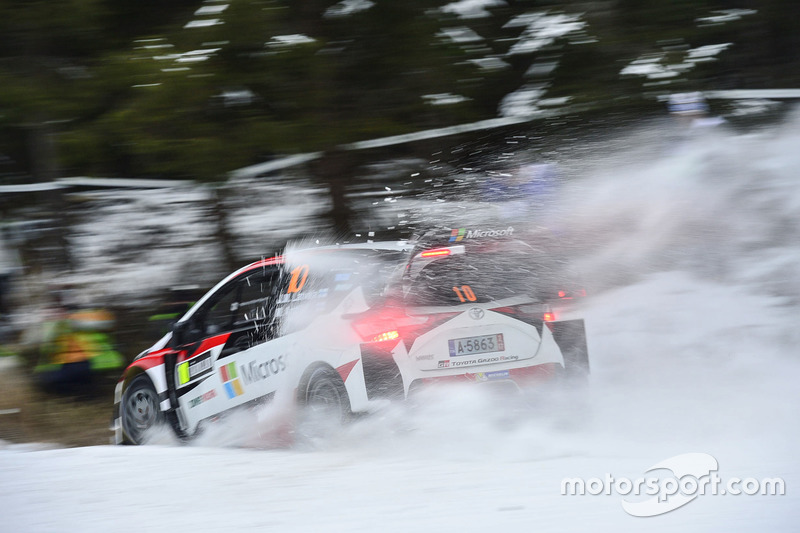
{"x":693,"y":339}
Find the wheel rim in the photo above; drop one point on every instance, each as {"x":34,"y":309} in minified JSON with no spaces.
{"x":323,"y":396}
{"x":325,"y":407}
{"x":141,"y":412}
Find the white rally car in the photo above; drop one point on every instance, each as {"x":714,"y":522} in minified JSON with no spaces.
{"x":342,"y":329}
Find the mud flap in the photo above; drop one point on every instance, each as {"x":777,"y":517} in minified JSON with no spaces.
{"x":570,"y":335}
{"x":382,"y":377}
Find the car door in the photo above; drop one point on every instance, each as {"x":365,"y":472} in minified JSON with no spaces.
{"x":222,"y":362}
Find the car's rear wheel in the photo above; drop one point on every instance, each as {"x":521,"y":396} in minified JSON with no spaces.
{"x":325,"y":393}
{"x":140,"y":410}
{"x":324,"y":403}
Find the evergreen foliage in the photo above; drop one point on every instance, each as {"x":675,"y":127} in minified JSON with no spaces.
{"x":146,"y":88}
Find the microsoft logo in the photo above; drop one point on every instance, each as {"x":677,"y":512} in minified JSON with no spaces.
{"x":233,"y":385}
{"x":457,"y":234}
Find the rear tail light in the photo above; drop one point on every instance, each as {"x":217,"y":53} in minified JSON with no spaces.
{"x":385,"y":326}
{"x":560,"y":304}
{"x":438,"y":252}
{"x":394,"y":324}
{"x":529,"y":312}
{"x":385,"y":336}
{"x":570,"y":294}
{"x":524,"y":311}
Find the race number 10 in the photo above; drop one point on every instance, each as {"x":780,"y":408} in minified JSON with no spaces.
{"x":465,"y":293}
{"x":298,"y":280}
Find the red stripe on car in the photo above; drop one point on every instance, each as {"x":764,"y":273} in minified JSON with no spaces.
{"x":345,"y":369}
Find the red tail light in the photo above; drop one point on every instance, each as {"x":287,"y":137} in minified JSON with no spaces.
{"x":569,"y":295}
{"x":375,"y":331}
{"x":506,"y":310}
{"x":385,"y":325}
{"x":393,"y":324}
{"x":528,"y":311}
{"x":437,"y":252}
{"x":386,"y":336}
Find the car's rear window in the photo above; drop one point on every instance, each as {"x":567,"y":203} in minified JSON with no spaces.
{"x":484,"y":273}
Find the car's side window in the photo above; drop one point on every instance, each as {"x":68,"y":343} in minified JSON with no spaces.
{"x":246,"y":306}
{"x":219,"y":317}
{"x":255,"y":303}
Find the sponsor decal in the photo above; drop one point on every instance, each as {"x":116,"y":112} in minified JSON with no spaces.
{"x":460,"y":234}
{"x":489,"y":376}
{"x":254,"y":371}
{"x":457,"y":234}
{"x":194,"y":368}
{"x":231,"y":381}
{"x":298,"y":281}
{"x":483,"y":361}
{"x":345,"y":369}
{"x":194,"y":402}
{"x":427,"y":357}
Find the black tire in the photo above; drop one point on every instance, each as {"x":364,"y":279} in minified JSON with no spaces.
{"x":324,"y":403}
{"x":325,"y":392}
{"x":140,"y":410}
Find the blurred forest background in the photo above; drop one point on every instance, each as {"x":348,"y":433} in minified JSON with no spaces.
{"x":195,"y":89}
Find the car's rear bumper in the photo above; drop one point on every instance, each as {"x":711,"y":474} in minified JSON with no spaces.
{"x":519,"y":378}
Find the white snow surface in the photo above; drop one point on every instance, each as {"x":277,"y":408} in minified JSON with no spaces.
{"x":692,"y":335}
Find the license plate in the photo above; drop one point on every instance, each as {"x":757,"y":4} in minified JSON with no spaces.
{"x":477,"y":345}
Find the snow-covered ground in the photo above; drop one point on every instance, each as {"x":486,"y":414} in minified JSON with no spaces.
{"x":693,"y":262}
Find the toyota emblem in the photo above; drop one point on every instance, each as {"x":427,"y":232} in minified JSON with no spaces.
{"x":476,"y":313}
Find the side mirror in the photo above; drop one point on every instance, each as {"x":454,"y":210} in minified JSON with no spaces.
{"x":185,"y":332}
{"x":179,"y":333}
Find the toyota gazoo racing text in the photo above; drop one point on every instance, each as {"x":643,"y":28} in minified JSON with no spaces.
{"x":346,"y":328}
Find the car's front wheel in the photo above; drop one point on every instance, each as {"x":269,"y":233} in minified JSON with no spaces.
{"x":140,"y":410}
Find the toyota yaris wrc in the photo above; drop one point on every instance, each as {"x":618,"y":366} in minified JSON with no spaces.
{"x":343,"y":329}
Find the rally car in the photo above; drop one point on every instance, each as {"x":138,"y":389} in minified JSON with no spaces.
{"x":344,"y":329}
